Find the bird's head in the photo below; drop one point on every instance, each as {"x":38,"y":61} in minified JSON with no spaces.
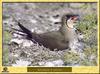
{"x":70,"y":20}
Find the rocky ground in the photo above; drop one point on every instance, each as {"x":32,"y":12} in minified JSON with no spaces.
{"x":41,"y":18}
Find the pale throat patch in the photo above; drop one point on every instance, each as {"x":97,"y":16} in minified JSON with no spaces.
{"x":70,"y":23}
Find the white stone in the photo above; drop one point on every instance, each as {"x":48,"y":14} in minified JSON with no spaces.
{"x":33,"y":21}
{"x":24,"y":42}
{"x":80,"y":36}
{"x":21,"y":63}
{"x":41,"y":63}
{"x":27,"y":43}
{"x":92,"y":57}
{"x":53,"y":19}
{"x":58,"y":62}
{"x":32,"y":30}
{"x":52,"y":63}
{"x":15,"y":55}
{"x":49,"y":64}
{"x":18,"y":41}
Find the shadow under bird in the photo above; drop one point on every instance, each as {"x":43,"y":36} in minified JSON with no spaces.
{"x":61,"y":39}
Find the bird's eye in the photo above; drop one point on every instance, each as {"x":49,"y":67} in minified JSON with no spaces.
{"x":74,"y":18}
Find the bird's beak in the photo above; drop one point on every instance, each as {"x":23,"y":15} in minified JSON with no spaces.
{"x":75,"y":18}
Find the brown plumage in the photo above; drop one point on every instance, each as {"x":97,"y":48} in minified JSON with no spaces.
{"x":56,"y":39}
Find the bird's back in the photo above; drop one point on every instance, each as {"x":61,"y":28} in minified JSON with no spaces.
{"x":52,"y":40}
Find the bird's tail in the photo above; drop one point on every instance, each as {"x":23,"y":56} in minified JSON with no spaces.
{"x":25,"y":30}
{"x":31,"y":36}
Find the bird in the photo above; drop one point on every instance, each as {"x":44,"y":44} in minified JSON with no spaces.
{"x":60,"y":39}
